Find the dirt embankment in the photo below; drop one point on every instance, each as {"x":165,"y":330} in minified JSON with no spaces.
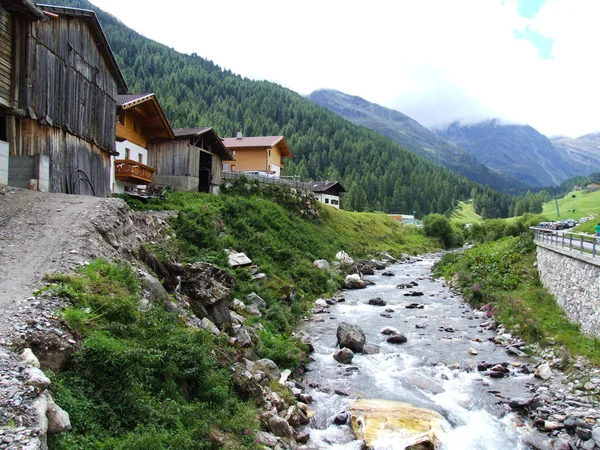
{"x":42,"y":233}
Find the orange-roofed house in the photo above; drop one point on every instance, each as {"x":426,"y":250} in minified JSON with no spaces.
{"x":263,"y":154}
{"x":140,"y":119}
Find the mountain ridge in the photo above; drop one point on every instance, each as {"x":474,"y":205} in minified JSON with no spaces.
{"x":413,"y":136}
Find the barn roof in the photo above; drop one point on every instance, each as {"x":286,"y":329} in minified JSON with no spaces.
{"x":25,"y":7}
{"x":100,"y":38}
{"x":214,"y":138}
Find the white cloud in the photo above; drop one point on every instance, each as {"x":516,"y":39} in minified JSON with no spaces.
{"x":435,"y":60}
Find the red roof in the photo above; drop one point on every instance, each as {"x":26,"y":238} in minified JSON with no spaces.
{"x":260,"y":142}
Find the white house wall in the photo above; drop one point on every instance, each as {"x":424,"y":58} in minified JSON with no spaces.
{"x":117,"y":186}
{"x":327,"y":199}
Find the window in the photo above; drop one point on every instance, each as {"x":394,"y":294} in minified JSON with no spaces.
{"x":141,"y":158}
{"x":233,"y":168}
{"x":334,"y":202}
{"x":326,"y":200}
{"x":225,"y":167}
{"x":233,"y":153}
{"x":127,"y":153}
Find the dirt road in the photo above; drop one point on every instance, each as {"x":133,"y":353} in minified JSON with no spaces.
{"x":42,"y":233}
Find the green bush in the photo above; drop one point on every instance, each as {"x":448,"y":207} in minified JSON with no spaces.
{"x":438,"y":226}
{"x":142,"y":380}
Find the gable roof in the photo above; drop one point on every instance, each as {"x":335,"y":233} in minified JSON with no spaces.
{"x":99,"y":38}
{"x":149,"y":111}
{"x":212,"y":135}
{"x":324,"y":186}
{"x":259,"y":142}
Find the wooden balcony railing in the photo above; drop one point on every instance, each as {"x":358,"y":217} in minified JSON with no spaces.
{"x":133,"y":171}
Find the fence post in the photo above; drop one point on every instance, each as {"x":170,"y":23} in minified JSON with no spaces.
{"x":581,"y":246}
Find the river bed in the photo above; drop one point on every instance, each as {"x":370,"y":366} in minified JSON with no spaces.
{"x":436,"y":368}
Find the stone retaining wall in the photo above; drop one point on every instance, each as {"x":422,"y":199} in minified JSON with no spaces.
{"x":575,"y":282}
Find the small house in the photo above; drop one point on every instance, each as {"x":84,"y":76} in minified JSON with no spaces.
{"x":328,"y":192}
{"x":59,"y":83}
{"x":192,"y":161}
{"x":263,"y":154}
{"x":140,"y":119}
{"x":593,"y":186}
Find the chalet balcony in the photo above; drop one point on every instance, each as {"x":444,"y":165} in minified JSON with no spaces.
{"x":133,"y":171}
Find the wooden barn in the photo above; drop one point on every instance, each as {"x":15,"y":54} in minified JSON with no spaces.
{"x":191,"y":162}
{"x":59,"y":84}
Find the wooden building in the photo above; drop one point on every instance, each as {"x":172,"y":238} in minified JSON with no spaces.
{"x":191,"y":162}
{"x":140,"y":119}
{"x":59,"y":83}
{"x":262,"y":154}
{"x":328,"y":192}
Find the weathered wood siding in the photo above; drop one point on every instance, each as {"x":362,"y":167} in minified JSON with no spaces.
{"x":217,"y":170}
{"x":174,"y":158}
{"x":68,"y":82}
{"x":5,"y":57}
{"x":67,"y":154}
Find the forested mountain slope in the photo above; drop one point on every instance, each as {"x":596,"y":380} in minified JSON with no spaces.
{"x":516,"y":150}
{"x":379,"y":174}
{"x":411,"y":135}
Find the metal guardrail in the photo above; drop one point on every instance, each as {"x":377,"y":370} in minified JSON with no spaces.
{"x":582,"y":243}
{"x":267,"y":180}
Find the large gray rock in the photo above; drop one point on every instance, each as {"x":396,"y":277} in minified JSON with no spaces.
{"x":344,"y":356}
{"x":236,"y":259}
{"x":353,"y":281}
{"x":37,"y":379}
{"x":350,"y":336}
{"x":207,"y":288}
{"x":344,"y":257}
{"x":322,"y":264}
{"x":58,"y":418}
{"x":254,"y":299}
{"x":270,"y":368}
{"x":280,"y":427}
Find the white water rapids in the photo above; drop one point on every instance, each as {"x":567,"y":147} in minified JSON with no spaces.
{"x":434,"y":369}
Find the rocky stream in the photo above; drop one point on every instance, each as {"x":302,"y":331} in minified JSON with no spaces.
{"x":422,"y":345}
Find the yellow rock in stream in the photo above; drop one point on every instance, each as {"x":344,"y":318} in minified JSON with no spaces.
{"x":386,"y":424}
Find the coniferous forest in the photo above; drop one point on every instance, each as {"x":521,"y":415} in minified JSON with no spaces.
{"x":378,"y":174}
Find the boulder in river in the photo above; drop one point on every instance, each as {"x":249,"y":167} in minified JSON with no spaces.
{"x":377,"y":301}
{"x":354,"y":282}
{"x":344,"y":356}
{"x":390,"y":424}
{"x":396,"y":339}
{"x":350,"y":336}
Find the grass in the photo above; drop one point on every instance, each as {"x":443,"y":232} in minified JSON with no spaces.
{"x":465,"y":213}
{"x":585,"y":204}
{"x":500,"y":275}
{"x":142,"y":380}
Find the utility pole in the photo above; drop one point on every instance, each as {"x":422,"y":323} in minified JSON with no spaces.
{"x":556,"y":200}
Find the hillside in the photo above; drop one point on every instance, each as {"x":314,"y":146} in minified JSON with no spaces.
{"x":585,"y":204}
{"x":516,"y":150}
{"x":413,"y":136}
{"x":196,"y":92}
{"x":584,"y":150}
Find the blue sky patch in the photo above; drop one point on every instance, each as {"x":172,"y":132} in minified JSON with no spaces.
{"x":529,"y":8}
{"x":541,"y":43}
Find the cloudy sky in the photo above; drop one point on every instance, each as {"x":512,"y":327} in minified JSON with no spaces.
{"x":525,"y":61}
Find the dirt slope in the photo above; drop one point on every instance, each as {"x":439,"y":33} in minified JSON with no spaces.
{"x":42,"y":233}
